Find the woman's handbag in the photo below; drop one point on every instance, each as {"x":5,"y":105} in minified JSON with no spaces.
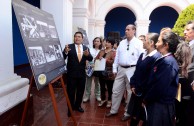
{"x":89,"y":70}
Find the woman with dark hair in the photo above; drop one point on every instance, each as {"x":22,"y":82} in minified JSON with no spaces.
{"x":116,"y":45}
{"x":183,"y":56}
{"x":140,"y":78}
{"x":163,"y":83}
{"x":97,"y":46}
{"x":107,"y":80}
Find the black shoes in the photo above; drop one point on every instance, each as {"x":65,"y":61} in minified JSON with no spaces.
{"x":68,"y":114}
{"x":125,"y":118}
{"x":110,"y":114}
{"x":79,"y":109}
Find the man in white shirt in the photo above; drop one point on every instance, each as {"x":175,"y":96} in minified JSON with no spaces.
{"x":126,"y":58}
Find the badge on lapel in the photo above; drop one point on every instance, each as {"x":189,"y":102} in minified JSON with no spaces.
{"x":155,"y":69}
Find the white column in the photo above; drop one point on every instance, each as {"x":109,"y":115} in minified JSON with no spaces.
{"x":13,"y":88}
{"x":91,"y":31}
{"x":100,"y":24}
{"x":80,"y":19}
{"x":62,"y":13}
{"x":142,"y":27}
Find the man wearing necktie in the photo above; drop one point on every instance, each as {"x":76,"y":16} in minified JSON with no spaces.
{"x":77,"y":55}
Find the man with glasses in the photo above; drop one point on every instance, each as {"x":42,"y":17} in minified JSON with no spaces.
{"x":125,"y":61}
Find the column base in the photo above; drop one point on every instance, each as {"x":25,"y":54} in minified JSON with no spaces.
{"x":13,"y":92}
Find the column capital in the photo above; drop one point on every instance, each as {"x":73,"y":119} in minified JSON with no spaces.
{"x":72,"y":1}
{"x":145,"y":23}
{"x":100,"y":23}
{"x":80,"y":12}
{"x":91,"y":21}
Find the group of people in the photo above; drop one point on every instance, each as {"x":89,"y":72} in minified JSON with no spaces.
{"x":148,"y":70}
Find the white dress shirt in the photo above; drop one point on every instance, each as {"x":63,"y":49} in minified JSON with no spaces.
{"x":191,"y":42}
{"x":128,"y":53}
{"x":94,"y":53}
{"x":145,"y":54}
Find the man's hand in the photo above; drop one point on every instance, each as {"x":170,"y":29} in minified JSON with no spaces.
{"x":92,"y":65}
{"x":86,"y":52}
{"x":67,"y":49}
{"x":192,"y":85}
{"x":133,"y":90}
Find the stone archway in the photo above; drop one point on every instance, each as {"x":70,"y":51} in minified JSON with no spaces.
{"x":106,"y":6}
{"x":163,"y":16}
{"x":116,"y":21}
{"x":178,"y":6}
{"x":103,"y":9}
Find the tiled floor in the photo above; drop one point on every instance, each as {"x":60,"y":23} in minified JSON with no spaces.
{"x":93,"y":115}
{"x":44,"y":112}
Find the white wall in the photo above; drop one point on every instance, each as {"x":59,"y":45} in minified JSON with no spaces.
{"x":13,"y":88}
{"x":6,"y":45}
{"x":62,"y":12}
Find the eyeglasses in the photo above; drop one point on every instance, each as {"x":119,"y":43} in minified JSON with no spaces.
{"x":127,"y":47}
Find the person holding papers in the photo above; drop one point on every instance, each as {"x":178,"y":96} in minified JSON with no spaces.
{"x":97,"y":46}
{"x":107,"y":77}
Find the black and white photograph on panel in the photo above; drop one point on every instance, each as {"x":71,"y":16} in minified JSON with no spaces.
{"x":43,"y":29}
{"x":49,"y":53}
{"x":41,"y":41}
{"x":29,"y":26}
{"x":58,"y":52}
{"x":53,"y":31}
{"x":36,"y":55}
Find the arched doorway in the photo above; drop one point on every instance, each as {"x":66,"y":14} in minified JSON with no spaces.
{"x":117,"y":19}
{"x":163,"y":16}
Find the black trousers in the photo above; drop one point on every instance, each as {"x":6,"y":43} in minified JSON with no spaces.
{"x":75,"y":90}
{"x":109,"y":85}
{"x":185,"y":109}
{"x":135,"y":108}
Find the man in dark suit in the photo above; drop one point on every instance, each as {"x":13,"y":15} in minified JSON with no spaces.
{"x":77,"y":55}
{"x":189,"y":36}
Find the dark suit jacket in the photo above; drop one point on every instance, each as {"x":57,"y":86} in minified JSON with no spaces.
{"x":191,"y":66}
{"x":74,"y":67}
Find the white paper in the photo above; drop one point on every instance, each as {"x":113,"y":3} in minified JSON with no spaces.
{"x":100,"y":65}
